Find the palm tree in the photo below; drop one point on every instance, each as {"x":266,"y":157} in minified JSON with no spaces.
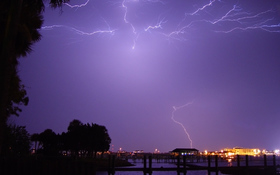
{"x":49,"y":141}
{"x":75,"y":136}
{"x":20,"y":21}
{"x":35,"y":138}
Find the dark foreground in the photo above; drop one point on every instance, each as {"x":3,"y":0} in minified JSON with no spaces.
{"x":55,"y":165}
{"x":36,"y":165}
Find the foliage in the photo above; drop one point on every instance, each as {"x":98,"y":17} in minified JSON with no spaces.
{"x":20,"y":21}
{"x":58,"y":3}
{"x":17,"y":142}
{"x":35,"y":138}
{"x":48,"y":139}
{"x":80,"y":139}
{"x":18,"y":96}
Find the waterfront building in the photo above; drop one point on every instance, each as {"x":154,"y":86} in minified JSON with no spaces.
{"x":184,"y":151}
{"x":242,"y":151}
{"x":138,"y":151}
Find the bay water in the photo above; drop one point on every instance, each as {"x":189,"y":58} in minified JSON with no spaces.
{"x":138,"y":163}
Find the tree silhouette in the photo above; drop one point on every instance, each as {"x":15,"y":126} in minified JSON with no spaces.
{"x":87,"y":139}
{"x":74,"y":136}
{"x":49,"y":141}
{"x":80,"y":139}
{"x":20,"y":21}
{"x":36,"y":139}
{"x":17,"y":141}
{"x":98,"y":139}
{"x":17,"y":96}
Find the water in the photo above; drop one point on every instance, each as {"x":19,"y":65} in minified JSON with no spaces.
{"x":139,"y":164}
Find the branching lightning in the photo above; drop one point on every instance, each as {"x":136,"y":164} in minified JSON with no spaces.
{"x":268,"y":28}
{"x":157,"y":26}
{"x":234,"y":9}
{"x":263,"y":25}
{"x":177,"y":34}
{"x":79,"y":32}
{"x":240,"y":20}
{"x":131,"y":25}
{"x":125,"y":16}
{"x":179,"y":123}
{"x":203,"y":7}
{"x":77,"y":6}
{"x":230,"y":18}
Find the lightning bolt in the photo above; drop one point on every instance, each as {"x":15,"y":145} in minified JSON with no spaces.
{"x":203,"y":7}
{"x":182,"y":30}
{"x":79,"y":32}
{"x":77,"y":6}
{"x":244,"y":20}
{"x":235,"y":16}
{"x":176,"y":34}
{"x":157,"y":26}
{"x":136,"y":34}
{"x":240,"y":19}
{"x":268,"y":28}
{"x":235,"y":8}
{"x":233,"y":20}
{"x":125,"y":16}
{"x":134,"y":42}
{"x":179,"y":123}
{"x":127,"y":22}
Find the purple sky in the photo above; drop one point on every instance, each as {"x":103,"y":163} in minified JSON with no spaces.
{"x":222,"y":58}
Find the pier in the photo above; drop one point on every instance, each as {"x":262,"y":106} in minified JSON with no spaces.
{"x":146,"y":164}
{"x":242,"y":166}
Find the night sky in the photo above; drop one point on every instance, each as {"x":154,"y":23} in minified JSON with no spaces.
{"x":147,"y":69}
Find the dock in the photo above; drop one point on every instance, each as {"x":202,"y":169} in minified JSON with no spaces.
{"x":183,"y":167}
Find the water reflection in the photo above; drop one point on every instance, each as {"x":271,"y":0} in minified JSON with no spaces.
{"x":229,"y":162}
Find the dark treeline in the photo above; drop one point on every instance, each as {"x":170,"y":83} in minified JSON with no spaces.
{"x":20,"y":21}
{"x":16,"y":141}
{"x":80,"y":140}
{"x":83,"y":140}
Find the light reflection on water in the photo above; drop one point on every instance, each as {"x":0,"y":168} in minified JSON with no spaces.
{"x":156,"y":173}
{"x":139,"y":164}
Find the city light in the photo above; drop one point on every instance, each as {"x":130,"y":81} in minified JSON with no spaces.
{"x":156,"y":151}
